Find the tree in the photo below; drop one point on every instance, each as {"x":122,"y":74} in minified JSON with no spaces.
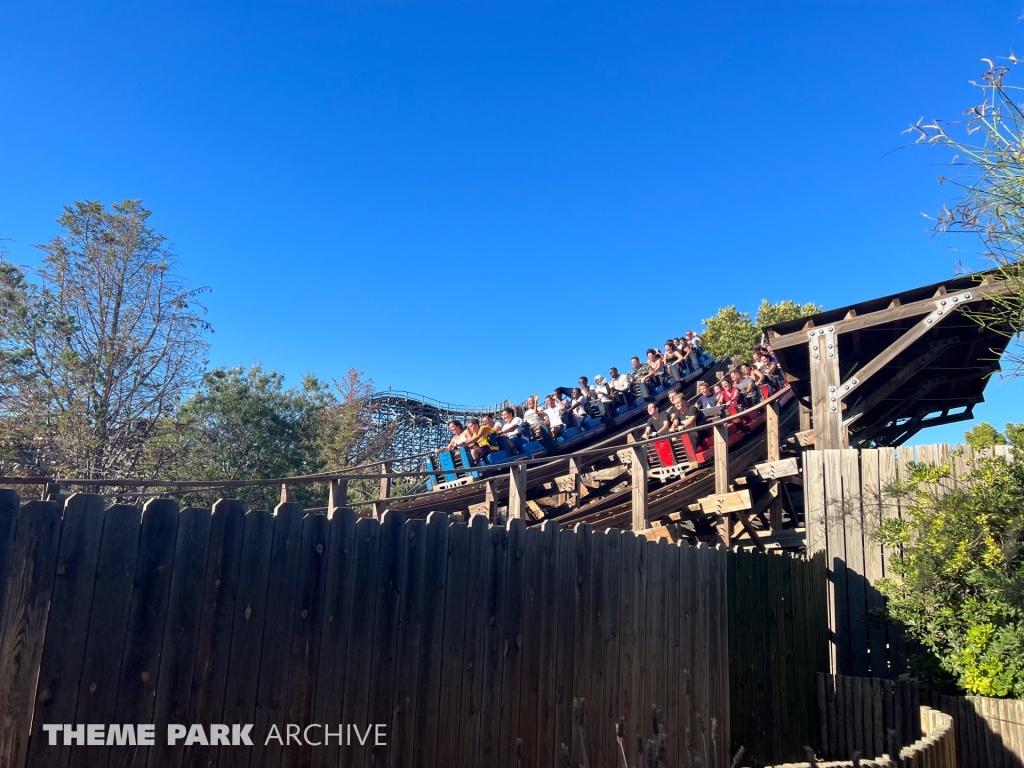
{"x":107,"y":339}
{"x":731,"y":332}
{"x":244,"y":424}
{"x":984,"y":435}
{"x":957,"y":567}
{"x":988,"y":151}
{"x":770,"y":314}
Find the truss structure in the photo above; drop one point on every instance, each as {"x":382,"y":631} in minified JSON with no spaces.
{"x":415,"y":424}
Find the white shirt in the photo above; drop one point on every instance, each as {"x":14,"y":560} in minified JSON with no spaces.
{"x":554,"y":416}
{"x":511,"y":427}
{"x":621,"y":382}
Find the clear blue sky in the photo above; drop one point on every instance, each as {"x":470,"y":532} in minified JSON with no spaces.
{"x":481,"y":200}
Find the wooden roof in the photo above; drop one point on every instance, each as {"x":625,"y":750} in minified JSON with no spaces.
{"x":915,"y":358}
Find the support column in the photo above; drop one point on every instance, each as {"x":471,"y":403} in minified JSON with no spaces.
{"x":826,"y":405}
{"x":386,"y":482}
{"x":638,"y":485}
{"x":721,"y":434}
{"x":517,"y":491}
{"x":337,"y":496}
{"x":774,"y":452}
{"x":489,"y":499}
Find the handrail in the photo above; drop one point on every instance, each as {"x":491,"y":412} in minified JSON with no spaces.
{"x":328,"y":476}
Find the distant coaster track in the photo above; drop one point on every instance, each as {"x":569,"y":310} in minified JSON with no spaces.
{"x":413,"y":424}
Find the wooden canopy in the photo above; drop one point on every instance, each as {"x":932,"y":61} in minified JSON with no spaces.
{"x":881,"y":370}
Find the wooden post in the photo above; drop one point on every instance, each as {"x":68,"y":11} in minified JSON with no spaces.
{"x":575,"y":470}
{"x":805,"y":418}
{"x":489,"y":499}
{"x":722,"y":479}
{"x":774,"y":454}
{"x":379,"y":508}
{"x":337,"y":496}
{"x":286,"y":493}
{"x":826,"y":404}
{"x":517,"y":491}
{"x":385,"y":482}
{"x":638,"y":485}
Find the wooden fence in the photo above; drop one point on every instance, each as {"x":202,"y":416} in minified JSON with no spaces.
{"x":777,"y":645}
{"x":989,"y":732}
{"x":468,"y":641}
{"x":935,"y":749}
{"x":844,"y":504}
{"x":868,"y":715}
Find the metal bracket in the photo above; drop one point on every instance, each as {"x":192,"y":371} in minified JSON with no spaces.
{"x":943,"y":306}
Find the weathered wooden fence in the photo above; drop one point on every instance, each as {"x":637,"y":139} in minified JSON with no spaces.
{"x":777,"y":645}
{"x":868,"y":715}
{"x":989,"y":732}
{"x":844,"y":504}
{"x":935,"y":749}
{"x":469,"y":642}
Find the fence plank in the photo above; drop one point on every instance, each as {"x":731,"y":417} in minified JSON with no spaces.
{"x":247,"y":623}
{"x":115,"y":572}
{"x":272,"y":688}
{"x":9,"y":503}
{"x":307,"y":619}
{"x":871,"y":501}
{"x":512,"y":641}
{"x":428,"y":673}
{"x":23,"y":626}
{"x":213,"y":648}
{"x":566,"y":634}
{"x":385,"y":632}
{"x":454,"y":639}
{"x":70,"y":603}
{"x":474,"y":652}
{"x":180,"y":631}
{"x":140,"y":662}
{"x":358,"y":679}
{"x":627,"y":661}
{"x":604,"y":721}
{"x":339,"y":598}
{"x":595,"y":650}
{"x":401,"y":732}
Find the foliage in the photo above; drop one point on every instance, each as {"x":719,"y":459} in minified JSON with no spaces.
{"x":731,"y":332}
{"x":988,"y":153}
{"x":245,"y":424}
{"x":957,"y":579}
{"x":99,"y":346}
{"x":984,"y":435}
{"x":770,"y":314}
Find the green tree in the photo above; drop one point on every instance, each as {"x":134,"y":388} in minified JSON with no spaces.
{"x":957,"y":566}
{"x":984,"y":435}
{"x":731,"y":332}
{"x":987,"y":152}
{"x":244,"y":424}
{"x":770,"y":314}
{"x":101,"y":342}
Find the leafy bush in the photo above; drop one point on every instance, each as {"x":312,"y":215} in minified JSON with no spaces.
{"x":957,"y":579}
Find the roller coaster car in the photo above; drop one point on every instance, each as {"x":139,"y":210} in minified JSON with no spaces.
{"x":674,"y":456}
{"x":455,"y":468}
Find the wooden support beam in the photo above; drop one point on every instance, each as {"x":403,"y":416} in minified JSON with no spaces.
{"x":721,"y":440}
{"x":286,"y":494}
{"x":826,"y":410}
{"x":893,"y":313}
{"x":379,"y":508}
{"x":517,"y":491}
{"x":805,"y":418}
{"x":773,"y":470}
{"x":722,"y":503}
{"x":638,"y":485}
{"x":489,"y":500}
{"x":337,"y":496}
{"x":385,"y":482}
{"x":772,"y":430}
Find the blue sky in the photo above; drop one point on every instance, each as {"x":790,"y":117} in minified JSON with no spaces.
{"x":481,"y":200}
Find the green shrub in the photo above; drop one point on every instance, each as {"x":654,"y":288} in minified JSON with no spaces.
{"x":957,"y":580}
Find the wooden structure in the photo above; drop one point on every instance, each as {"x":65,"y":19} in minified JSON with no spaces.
{"x":989,"y":732}
{"x":868,"y":715}
{"x":937,"y":748}
{"x":881,"y":370}
{"x":469,"y":641}
{"x":844,"y":505}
